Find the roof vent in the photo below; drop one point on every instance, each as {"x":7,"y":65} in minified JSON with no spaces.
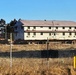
{"x":45,"y":20}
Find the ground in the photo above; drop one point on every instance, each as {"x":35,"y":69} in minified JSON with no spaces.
{"x":35,"y":66}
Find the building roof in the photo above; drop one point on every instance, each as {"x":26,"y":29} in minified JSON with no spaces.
{"x":47,"y":23}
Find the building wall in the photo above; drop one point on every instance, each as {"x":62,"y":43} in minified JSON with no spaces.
{"x":52,"y":28}
{"x":53,"y":32}
{"x":49,"y":34}
{"x":19,"y":32}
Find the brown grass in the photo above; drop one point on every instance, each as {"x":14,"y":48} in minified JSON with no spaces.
{"x":36,"y":66}
{"x":6,"y":48}
{"x":31,"y":66}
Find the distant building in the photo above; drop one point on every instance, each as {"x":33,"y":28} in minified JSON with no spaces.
{"x":2,"y":28}
{"x":32,"y":30}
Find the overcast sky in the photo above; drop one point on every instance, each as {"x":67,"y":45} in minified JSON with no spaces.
{"x":38,"y":9}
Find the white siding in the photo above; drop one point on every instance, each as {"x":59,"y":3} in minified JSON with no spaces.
{"x":57,"y":35}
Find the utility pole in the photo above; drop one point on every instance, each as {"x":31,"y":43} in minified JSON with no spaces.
{"x":47,"y":48}
{"x":47,"y":56}
{"x":10,"y":49}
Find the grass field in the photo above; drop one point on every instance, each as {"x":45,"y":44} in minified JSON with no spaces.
{"x":31,"y":66}
{"x":36,"y":66}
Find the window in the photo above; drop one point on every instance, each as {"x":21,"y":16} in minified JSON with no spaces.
{"x":69,"y":27}
{"x":49,"y":27}
{"x":63,"y":27}
{"x":63,"y":33}
{"x":75,"y":27}
{"x":70,"y":33}
{"x":28,"y":33}
{"x":56,"y":27}
{"x":49,"y":33}
{"x":34,"y":33}
{"x":28,"y":27}
{"x":75,"y":33}
{"x":41,"y":26}
{"x":41,"y":33}
{"x":54,"y":34}
{"x":1,"y":29}
{"x":34,"y":27}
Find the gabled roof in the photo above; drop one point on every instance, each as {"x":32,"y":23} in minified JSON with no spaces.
{"x":47,"y":23}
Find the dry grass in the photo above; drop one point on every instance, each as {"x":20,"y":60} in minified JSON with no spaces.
{"x":36,"y":66}
{"x":54,"y":46}
{"x":31,"y":66}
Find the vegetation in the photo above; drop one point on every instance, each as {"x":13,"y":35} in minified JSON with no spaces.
{"x":35,"y":66}
{"x":2,"y":22}
{"x":10,"y":26}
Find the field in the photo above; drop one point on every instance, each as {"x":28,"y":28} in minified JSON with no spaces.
{"x":23,"y":65}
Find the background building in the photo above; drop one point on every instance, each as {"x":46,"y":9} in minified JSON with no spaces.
{"x":40,"y":30}
{"x":2,"y":29}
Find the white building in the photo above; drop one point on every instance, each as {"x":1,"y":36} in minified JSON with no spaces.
{"x":43,"y":29}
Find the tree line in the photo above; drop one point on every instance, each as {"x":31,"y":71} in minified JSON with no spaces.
{"x":9,"y":26}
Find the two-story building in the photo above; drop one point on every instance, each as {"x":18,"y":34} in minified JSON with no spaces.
{"x":41,"y":30}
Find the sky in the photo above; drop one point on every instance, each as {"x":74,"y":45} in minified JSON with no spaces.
{"x":38,"y":10}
